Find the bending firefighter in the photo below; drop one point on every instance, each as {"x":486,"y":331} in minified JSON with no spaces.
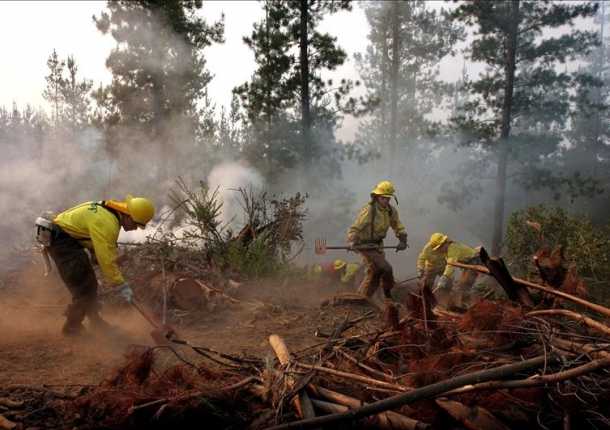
{"x":95,"y":226}
{"x":338,"y":272}
{"x":368,"y":231}
{"x":432,"y":263}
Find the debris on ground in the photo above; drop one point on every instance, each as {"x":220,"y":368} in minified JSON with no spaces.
{"x":498,"y":365}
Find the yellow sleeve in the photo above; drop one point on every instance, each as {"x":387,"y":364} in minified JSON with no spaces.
{"x":104,"y":240}
{"x":362,"y":221}
{"x":396,"y":224}
{"x":448,"y":268}
{"x":422,"y":258}
{"x":349,"y":273}
{"x":464,"y":252}
{"x":457,"y":253}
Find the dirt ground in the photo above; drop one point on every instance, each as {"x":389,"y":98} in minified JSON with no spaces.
{"x":34,"y":352}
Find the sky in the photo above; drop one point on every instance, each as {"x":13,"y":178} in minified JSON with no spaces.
{"x":68,"y":27}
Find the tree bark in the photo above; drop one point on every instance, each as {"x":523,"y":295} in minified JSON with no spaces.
{"x":305,"y":97}
{"x":507,"y":111}
{"x":590,"y":322}
{"x":538,"y":380}
{"x":301,"y":400}
{"x":355,"y":377}
{"x":593,"y":306}
{"x":388,"y":419}
{"x":394,"y":82}
{"x":422,"y":393}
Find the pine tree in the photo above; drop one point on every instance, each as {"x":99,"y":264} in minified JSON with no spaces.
{"x":158,"y":70}
{"x":287,"y":103}
{"x":76,"y":96}
{"x":55,"y":82}
{"x":400,"y":70}
{"x":521,"y":82}
{"x":591,"y":122}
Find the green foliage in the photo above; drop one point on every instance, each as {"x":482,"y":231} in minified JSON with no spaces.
{"x":157,"y":67}
{"x":539,"y":99}
{"x":261,"y":248}
{"x":159,"y":80}
{"x":254,"y":260}
{"x":524,"y":95}
{"x":202,"y":209}
{"x":69,"y":97}
{"x":585,"y":244}
{"x":421,"y":37}
{"x":290,"y":111}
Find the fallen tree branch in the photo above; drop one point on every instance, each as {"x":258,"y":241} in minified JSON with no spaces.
{"x":593,"y":306}
{"x":579,"y":348}
{"x":595,"y":325}
{"x":425,"y":392}
{"x":474,"y":417}
{"x":536,"y":380}
{"x":364,"y":367}
{"x":165,"y":400}
{"x":301,"y":400}
{"x":355,"y":377}
{"x":387,"y":420}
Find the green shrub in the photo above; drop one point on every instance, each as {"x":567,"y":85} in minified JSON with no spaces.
{"x":262,"y":248}
{"x":585,"y":244}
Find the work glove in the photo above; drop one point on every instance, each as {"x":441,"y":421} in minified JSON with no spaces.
{"x":442,"y":283}
{"x":402,"y":245}
{"x":126,"y":292}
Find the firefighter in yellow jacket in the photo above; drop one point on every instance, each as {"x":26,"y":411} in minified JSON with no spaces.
{"x":95,"y":226}
{"x":369,"y":230}
{"x":433,"y":259}
{"x":338,"y":272}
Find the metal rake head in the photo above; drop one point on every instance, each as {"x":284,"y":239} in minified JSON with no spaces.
{"x":320,"y":246}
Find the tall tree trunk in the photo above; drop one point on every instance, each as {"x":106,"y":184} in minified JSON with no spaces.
{"x":601,"y":60}
{"x":305,"y":99}
{"x":507,"y":107}
{"x":383,"y":96}
{"x":394,"y":81}
{"x":268,"y":108}
{"x":157,"y":128}
{"x":383,"y":92}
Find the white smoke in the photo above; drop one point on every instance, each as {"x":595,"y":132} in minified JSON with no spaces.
{"x":228,"y":178}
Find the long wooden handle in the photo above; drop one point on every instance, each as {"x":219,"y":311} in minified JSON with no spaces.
{"x":593,"y":306}
{"x":361,"y":248}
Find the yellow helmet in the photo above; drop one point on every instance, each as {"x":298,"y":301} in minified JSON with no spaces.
{"x":384,"y":188}
{"x":339,"y":264}
{"x":140,"y":209}
{"x":437,"y":240}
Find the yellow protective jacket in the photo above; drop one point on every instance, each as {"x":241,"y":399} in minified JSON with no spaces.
{"x":96,"y":228}
{"x":431,"y":260}
{"x":372,"y":224}
{"x":458,"y":253}
{"x":349,"y":273}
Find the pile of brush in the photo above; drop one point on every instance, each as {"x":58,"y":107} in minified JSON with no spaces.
{"x":502,"y":364}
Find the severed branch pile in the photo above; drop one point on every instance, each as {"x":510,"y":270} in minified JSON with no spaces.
{"x":500,"y":365}
{"x":508,"y":364}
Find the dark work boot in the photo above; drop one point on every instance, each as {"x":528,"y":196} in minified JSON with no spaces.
{"x":74,"y":320}
{"x":98,"y":324}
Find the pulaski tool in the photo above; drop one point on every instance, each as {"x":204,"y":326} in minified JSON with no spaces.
{"x":162,"y":334}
